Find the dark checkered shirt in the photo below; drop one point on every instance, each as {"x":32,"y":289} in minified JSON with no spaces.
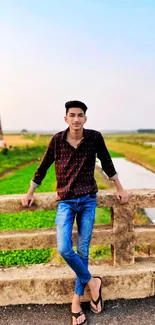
{"x":75,"y":167}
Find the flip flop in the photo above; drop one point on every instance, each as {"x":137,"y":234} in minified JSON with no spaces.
{"x":99,"y":299}
{"x":77,"y":315}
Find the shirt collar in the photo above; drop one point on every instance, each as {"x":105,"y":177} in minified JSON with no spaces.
{"x":85,"y":133}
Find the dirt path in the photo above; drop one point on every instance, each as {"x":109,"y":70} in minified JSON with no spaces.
{"x":16,"y":140}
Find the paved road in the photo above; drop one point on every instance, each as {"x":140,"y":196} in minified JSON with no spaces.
{"x":120,"y":312}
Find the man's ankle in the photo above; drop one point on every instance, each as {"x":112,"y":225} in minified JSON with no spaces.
{"x":92,"y":283}
{"x":76,"y":298}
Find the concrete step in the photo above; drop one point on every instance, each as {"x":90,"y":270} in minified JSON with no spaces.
{"x":48,"y":284}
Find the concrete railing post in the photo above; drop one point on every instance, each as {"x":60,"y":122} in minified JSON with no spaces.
{"x":124,"y":236}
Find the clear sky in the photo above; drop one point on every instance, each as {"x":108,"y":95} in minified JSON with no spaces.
{"x":99,"y":51}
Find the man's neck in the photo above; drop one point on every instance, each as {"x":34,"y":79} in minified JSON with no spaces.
{"x":76,"y":135}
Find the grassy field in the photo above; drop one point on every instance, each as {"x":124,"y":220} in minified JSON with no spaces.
{"x":132,"y":137}
{"x":134,"y":148}
{"x":12,"y":158}
{"x":17,"y":140}
{"x":19,"y":180}
{"x":24,"y":140}
{"x":25,"y":148}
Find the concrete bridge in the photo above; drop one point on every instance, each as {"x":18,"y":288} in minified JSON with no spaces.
{"x":124,"y":277}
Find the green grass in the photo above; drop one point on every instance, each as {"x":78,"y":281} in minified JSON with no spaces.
{"x":100,"y":252}
{"x":31,"y":256}
{"x":19,"y":181}
{"x":42,"y":219}
{"x":19,"y":156}
{"x":114,"y":154}
{"x":102,"y":216}
{"x":27,"y":220}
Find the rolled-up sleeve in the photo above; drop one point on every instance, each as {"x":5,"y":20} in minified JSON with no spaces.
{"x":46,"y":162}
{"x":104,"y":156}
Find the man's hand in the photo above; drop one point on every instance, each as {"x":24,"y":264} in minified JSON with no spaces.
{"x":122,"y":196}
{"x":27,"y":200}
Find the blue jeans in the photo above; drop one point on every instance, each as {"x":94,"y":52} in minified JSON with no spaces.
{"x":83,"y":208}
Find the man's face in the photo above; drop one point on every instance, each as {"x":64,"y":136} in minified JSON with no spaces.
{"x":75,"y":118}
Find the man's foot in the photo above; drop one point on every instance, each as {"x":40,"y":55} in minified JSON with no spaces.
{"x":78,"y":317}
{"x":96,"y":303}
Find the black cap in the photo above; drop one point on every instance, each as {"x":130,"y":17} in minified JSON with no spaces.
{"x":75,"y":103}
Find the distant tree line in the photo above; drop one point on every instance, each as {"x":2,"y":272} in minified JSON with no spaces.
{"x":146,"y":130}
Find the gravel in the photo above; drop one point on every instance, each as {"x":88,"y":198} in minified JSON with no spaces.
{"x":117,"y":312}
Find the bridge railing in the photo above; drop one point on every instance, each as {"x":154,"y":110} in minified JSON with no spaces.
{"x":121,"y":234}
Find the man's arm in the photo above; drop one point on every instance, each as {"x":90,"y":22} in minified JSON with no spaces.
{"x":109,"y":169}
{"x":121,"y":194}
{"x":40,"y":173}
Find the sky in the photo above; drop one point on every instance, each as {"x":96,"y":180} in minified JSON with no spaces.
{"x":101,"y":52}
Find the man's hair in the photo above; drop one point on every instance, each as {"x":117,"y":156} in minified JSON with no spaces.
{"x":75,"y":103}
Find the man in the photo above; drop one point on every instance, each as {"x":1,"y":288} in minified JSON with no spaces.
{"x":74,"y":153}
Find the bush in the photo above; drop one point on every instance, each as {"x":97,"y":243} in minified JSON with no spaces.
{"x":5,"y":151}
